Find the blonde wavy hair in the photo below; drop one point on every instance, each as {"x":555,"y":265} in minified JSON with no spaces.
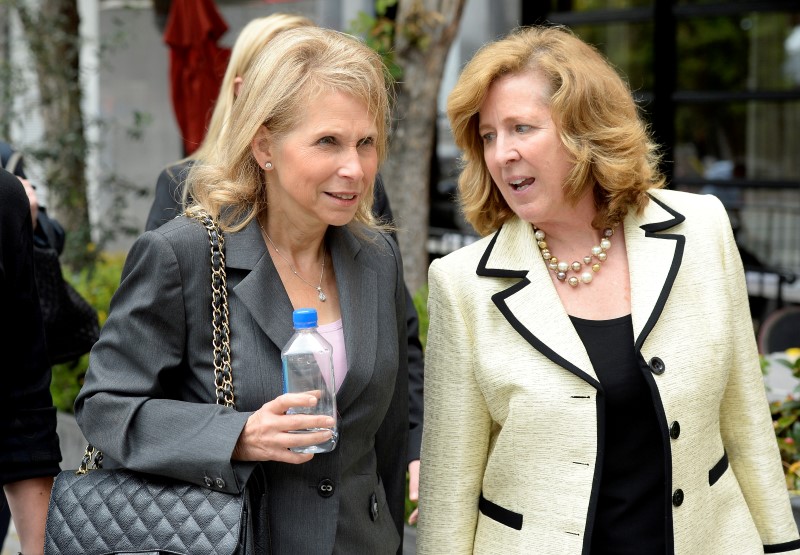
{"x":282,"y":80}
{"x":592,"y":108}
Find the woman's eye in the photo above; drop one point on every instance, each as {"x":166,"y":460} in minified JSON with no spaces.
{"x":522,"y":128}
{"x":366,"y":141}
{"x":327,"y":141}
{"x":487,"y":137}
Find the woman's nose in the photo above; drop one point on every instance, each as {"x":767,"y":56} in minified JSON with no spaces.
{"x":351,"y":165}
{"x":505,"y":151}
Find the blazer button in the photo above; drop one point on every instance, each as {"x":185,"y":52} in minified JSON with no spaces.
{"x":220,"y":483}
{"x":657,"y":366}
{"x":675,"y":430}
{"x":373,"y":507}
{"x":325,"y":487}
{"x":677,"y":497}
{"x":208,"y":482}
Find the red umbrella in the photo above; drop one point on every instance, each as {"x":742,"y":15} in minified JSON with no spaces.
{"x":197,"y":65}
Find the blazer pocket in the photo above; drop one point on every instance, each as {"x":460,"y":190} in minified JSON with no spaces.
{"x":718,"y":469}
{"x":500,"y":514}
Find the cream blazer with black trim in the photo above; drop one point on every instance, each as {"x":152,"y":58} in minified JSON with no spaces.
{"x":509,"y":456}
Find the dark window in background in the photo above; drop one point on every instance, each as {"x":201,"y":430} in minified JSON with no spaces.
{"x":629,"y":46}
{"x":718,"y":81}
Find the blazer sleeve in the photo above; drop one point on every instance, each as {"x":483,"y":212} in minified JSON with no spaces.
{"x":455,"y":438}
{"x":745,"y":420}
{"x":131,"y":406}
{"x":382,"y":210}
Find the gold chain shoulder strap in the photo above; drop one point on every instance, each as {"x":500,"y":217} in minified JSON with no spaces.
{"x":223,"y":376}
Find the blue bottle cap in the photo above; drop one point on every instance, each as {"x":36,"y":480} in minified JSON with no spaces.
{"x":304,"y":318}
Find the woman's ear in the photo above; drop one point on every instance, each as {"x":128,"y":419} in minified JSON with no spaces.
{"x":237,"y":85}
{"x":261,"y":146}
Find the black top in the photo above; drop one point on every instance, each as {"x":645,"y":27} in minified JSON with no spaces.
{"x":28,"y":441}
{"x":630,"y":516}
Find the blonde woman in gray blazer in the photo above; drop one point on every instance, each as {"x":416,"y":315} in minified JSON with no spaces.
{"x":291,"y":182}
{"x":613,"y":404}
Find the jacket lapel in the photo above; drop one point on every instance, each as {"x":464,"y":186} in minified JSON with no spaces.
{"x":263,"y":294}
{"x":532,"y":305}
{"x":358,"y":298}
{"x":654,"y":258}
{"x":261,"y":289}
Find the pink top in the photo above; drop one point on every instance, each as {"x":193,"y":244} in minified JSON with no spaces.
{"x":334,"y":334}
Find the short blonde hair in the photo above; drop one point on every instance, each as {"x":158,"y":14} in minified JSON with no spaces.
{"x":252,"y":38}
{"x":592,"y":108}
{"x":305,"y":63}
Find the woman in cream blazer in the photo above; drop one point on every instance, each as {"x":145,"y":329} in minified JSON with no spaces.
{"x":523,"y":434}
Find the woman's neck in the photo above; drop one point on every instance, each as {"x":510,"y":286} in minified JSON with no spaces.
{"x":297,"y":244}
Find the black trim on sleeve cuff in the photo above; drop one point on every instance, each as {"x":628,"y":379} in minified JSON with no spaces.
{"x":782,"y":547}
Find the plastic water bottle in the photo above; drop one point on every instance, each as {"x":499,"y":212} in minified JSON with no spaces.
{"x":308,"y":368}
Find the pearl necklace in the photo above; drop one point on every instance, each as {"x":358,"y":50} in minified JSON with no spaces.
{"x":320,"y":294}
{"x":561,"y":268}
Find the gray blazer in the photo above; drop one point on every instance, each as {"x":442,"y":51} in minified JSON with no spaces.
{"x":148,"y":398}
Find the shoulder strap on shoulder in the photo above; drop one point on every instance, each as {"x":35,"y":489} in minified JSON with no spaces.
{"x":12,"y":162}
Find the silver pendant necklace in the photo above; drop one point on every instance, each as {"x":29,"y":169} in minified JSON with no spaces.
{"x":320,"y":294}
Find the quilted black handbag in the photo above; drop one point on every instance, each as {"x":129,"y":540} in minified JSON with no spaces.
{"x":96,"y":511}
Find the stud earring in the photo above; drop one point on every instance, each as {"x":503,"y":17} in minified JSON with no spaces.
{"x":268,"y":165}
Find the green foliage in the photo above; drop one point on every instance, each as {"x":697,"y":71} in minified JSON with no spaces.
{"x":786,"y":420}
{"x":628,"y":47}
{"x":97,"y":285}
{"x":421,"y":304}
{"x":378,"y":34}
{"x":417,"y":25}
{"x":410,"y":505}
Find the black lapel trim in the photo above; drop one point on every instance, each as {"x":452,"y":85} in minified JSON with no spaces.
{"x":482,"y":270}
{"x":782,"y":547}
{"x":598,"y":474}
{"x":651,"y":230}
{"x":499,"y":300}
{"x":661,"y":416}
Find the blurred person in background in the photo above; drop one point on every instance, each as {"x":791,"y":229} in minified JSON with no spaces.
{"x":29,"y":449}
